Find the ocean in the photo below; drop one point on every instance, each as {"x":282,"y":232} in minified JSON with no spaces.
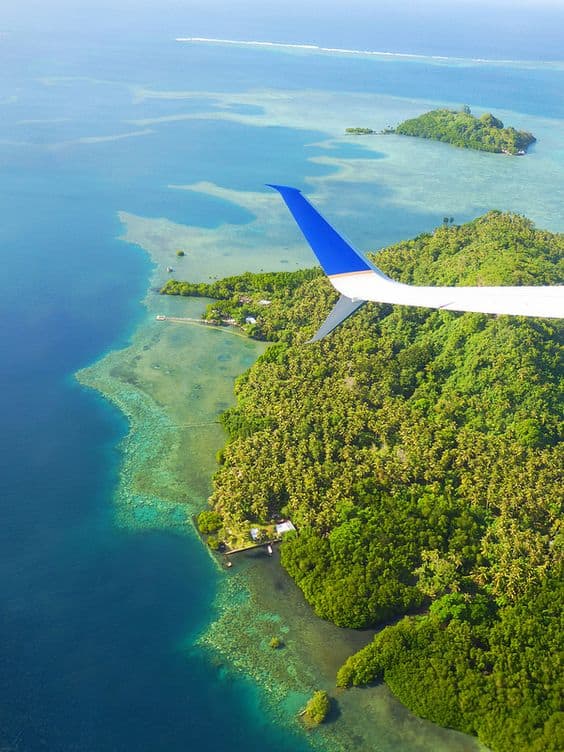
{"x":106,"y":135}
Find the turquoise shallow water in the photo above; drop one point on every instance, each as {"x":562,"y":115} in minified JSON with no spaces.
{"x":96,"y":611}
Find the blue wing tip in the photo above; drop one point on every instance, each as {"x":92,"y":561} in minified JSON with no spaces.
{"x":282,"y":189}
{"x":334,"y":254}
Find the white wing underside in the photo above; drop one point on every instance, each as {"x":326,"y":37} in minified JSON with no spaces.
{"x":545,"y":302}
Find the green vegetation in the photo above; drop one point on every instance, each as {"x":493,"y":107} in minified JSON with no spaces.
{"x":418,"y":454}
{"x":486,"y":673}
{"x":486,"y":133}
{"x":276,"y":643}
{"x":317,"y":708}
{"x":359,"y":131}
{"x":265,"y":297}
{"x":209,"y":522}
{"x":233,"y":534}
{"x":272,"y":283}
{"x":180,"y":253}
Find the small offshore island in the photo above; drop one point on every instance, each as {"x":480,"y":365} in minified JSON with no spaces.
{"x":417,"y":453}
{"x":461,"y":128}
{"x":359,"y":131}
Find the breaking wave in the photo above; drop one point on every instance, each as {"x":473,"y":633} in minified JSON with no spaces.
{"x":373,"y":53}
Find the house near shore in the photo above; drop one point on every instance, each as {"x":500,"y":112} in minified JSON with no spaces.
{"x":250,"y":320}
{"x":284,"y":527}
{"x":265,"y":535}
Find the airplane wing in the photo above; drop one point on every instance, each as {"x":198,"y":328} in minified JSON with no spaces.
{"x":343,"y":308}
{"x":358,"y":280}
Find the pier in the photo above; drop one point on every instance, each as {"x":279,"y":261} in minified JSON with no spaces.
{"x":251,"y":546}
{"x":228,"y":325}
{"x":186,"y":320}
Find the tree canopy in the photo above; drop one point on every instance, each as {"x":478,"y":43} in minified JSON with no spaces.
{"x":418,"y":454}
{"x":317,"y":708}
{"x":486,"y":133}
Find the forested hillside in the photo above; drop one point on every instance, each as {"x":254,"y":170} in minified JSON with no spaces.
{"x":418,"y":454}
{"x":486,"y":133}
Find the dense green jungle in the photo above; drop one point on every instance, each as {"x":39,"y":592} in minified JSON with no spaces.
{"x":418,"y":454}
{"x":486,"y":133}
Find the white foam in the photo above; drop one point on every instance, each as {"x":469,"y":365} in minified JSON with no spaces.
{"x":372,"y":53}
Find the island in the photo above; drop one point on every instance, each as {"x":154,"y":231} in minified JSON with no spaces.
{"x":461,"y":128}
{"x":317,"y":709}
{"x":359,"y":131}
{"x":417,"y":453}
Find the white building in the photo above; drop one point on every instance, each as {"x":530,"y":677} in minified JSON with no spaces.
{"x":284,"y":527}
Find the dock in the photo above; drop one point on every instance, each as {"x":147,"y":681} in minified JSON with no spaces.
{"x":276,"y":532}
{"x":251,"y":546}
{"x":228,"y":325}
{"x":186,"y":320}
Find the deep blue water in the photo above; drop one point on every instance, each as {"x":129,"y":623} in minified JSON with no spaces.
{"x":92,"y":617}
{"x":499,"y":29}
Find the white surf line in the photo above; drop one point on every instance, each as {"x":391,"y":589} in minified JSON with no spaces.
{"x":374,"y":53}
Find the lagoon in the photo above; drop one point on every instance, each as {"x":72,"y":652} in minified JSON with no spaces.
{"x":117,"y":626}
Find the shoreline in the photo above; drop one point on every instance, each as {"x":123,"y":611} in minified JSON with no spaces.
{"x":164,"y":381}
